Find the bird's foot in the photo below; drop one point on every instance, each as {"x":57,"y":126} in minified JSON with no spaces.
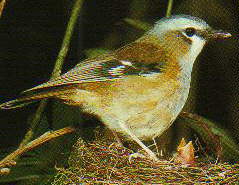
{"x":148,"y":154}
{"x":135,"y":155}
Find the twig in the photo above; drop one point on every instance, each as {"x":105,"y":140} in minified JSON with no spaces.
{"x":2,"y":5}
{"x":57,"y":69}
{"x":67,"y":38}
{"x":169,"y":9}
{"x":28,"y":136}
{"x":9,"y":160}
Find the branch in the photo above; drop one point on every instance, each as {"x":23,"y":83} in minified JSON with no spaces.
{"x":169,"y":9}
{"x":9,"y":160}
{"x":57,"y":69}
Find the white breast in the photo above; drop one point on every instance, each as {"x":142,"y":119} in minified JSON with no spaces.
{"x":145,"y":122}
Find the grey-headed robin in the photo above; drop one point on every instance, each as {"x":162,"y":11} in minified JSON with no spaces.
{"x":137,"y":90}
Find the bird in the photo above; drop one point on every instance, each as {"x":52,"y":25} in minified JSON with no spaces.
{"x":139,"y":89}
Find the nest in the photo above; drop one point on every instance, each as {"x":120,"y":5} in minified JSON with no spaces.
{"x":105,"y":163}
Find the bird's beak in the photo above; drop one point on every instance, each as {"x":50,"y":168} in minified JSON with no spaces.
{"x":219,"y":34}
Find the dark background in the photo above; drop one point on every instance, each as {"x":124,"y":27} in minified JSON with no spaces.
{"x":31,"y":33}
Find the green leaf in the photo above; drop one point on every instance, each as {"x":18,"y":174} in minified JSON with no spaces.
{"x":93,"y":52}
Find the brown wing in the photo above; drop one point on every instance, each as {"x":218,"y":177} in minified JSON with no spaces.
{"x":138,"y":58}
{"x":102,"y":68}
{"x":134,"y":59}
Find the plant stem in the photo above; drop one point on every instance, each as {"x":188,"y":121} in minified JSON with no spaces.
{"x":9,"y":160}
{"x":67,"y":38}
{"x":2,"y":5}
{"x":169,"y":9}
{"x":57,"y":68}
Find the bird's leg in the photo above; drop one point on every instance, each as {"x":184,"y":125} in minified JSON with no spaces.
{"x":137,"y":140}
{"x":117,"y":138}
{"x":155,"y":144}
{"x":123,"y":126}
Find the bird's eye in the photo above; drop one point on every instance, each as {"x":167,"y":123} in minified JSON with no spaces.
{"x":190,"y":32}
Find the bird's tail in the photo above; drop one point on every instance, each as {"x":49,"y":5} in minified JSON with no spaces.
{"x":33,"y":96}
{"x":19,"y":102}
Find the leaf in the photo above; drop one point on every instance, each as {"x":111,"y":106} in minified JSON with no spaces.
{"x":138,"y":24}
{"x":93,"y":52}
{"x":185,"y":153}
{"x":217,"y":139}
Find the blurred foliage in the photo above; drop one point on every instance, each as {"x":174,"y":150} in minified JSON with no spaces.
{"x":93,"y":52}
{"x":138,"y":24}
{"x":39,"y":165}
{"x":217,"y":140}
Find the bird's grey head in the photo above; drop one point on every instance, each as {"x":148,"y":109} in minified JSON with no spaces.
{"x":191,"y":31}
{"x":184,"y":35}
{"x":189,"y":26}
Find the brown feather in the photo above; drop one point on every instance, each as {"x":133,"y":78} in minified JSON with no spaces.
{"x":91,"y":76}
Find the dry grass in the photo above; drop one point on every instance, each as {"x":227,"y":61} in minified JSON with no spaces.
{"x":102,"y":163}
